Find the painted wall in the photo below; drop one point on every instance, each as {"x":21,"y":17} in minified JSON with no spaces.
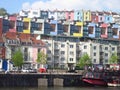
{"x":92,"y":34}
{"x":26,"y":27}
{"x":12,"y":20}
{"x":80,"y":32}
{"x":69,"y":15}
{"x":78,"y":15}
{"x":87,"y":15}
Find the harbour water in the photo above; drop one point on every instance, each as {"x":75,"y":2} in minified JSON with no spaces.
{"x":60,"y":88}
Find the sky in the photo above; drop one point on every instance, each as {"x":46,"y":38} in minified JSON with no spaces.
{"x":14,"y":6}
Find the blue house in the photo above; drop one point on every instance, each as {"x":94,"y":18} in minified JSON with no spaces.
{"x":91,"y":30}
{"x":115,"y":31}
{"x":78,"y":15}
{"x":56,"y":27}
{"x":108,"y":17}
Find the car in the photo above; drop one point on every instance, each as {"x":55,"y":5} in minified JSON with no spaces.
{"x":29,"y":70}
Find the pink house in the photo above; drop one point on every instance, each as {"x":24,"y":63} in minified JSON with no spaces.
{"x":69,"y":15}
{"x":12,"y":20}
{"x":104,"y":30}
{"x":37,"y":46}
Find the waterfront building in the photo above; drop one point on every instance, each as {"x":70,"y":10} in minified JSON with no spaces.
{"x":61,"y":51}
{"x":115,"y":31}
{"x":24,"y":13}
{"x":116,"y":17}
{"x":19,"y":25}
{"x":78,"y":15}
{"x":94,"y":17}
{"x":12,"y":23}
{"x":86,"y":15}
{"x":11,"y":45}
{"x":91,"y":30}
{"x":108,"y":17}
{"x":56,"y":27}
{"x":5,"y":25}
{"x":69,"y":15}
{"x":68,"y":28}
{"x":101,"y":17}
{"x":104,"y":30}
{"x":79,"y":29}
{"x":26,"y":25}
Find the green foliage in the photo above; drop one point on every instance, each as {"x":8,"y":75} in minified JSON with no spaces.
{"x":17,"y":58}
{"x":41,"y":58}
{"x":3,"y":12}
{"x":85,"y":60}
{"x":113,"y":59}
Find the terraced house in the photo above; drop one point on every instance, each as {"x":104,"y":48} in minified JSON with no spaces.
{"x":63,"y":35}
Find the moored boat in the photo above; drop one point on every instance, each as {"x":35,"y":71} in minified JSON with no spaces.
{"x":94,"y":79}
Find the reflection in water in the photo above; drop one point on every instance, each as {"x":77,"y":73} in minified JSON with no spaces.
{"x":61,"y":88}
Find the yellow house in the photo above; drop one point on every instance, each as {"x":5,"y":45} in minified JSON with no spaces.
{"x":87,"y":15}
{"x":26,"y":26}
{"x":80,"y":29}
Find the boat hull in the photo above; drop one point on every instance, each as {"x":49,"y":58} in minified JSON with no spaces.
{"x":113,"y":84}
{"x":95,"y":82}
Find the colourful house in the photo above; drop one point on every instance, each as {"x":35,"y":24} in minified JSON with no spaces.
{"x":12,"y":21}
{"x":108,"y":17}
{"x":91,"y":30}
{"x":78,"y":15}
{"x":94,"y":17}
{"x":101,"y":17}
{"x":26,"y":25}
{"x":56,"y":27}
{"x":87,"y":16}
{"x":79,"y":29}
{"x":115,"y":31}
{"x":104,"y":30}
{"x":69,"y":15}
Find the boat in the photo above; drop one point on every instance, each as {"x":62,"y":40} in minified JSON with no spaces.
{"x":114,"y":79}
{"x":94,"y":79}
{"x":108,"y":76}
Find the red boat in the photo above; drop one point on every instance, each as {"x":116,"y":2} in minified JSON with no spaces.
{"x":94,"y":78}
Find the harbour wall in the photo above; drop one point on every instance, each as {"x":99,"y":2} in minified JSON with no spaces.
{"x":40,"y":79}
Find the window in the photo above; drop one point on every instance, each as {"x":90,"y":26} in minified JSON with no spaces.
{"x":94,"y":47}
{"x":49,"y":52}
{"x":106,"y":61}
{"x":49,"y":44}
{"x":38,"y":49}
{"x":71,"y":59}
{"x":25,"y":50}
{"x":62,"y":52}
{"x":113,"y":48}
{"x":49,"y":58}
{"x":62,"y":59}
{"x":106,"y":54}
{"x":71,"y":46}
{"x":35,"y":13}
{"x":62,"y":45}
{"x":94,"y":61}
{"x":85,"y":47}
{"x":94,"y":54}
{"x":106,"y":48}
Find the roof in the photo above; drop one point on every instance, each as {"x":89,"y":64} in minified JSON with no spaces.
{"x":11,"y":35}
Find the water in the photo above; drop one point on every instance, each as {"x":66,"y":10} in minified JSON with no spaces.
{"x":61,"y":88}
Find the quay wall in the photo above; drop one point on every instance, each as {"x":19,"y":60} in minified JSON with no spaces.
{"x":39,"y":79}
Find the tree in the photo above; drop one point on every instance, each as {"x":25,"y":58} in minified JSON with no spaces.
{"x":85,"y":60}
{"x":41,"y":58}
{"x":17,"y":58}
{"x":113,"y":59}
{"x":3,"y":12}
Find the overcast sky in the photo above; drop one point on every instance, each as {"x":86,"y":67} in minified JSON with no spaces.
{"x":14,"y":6}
